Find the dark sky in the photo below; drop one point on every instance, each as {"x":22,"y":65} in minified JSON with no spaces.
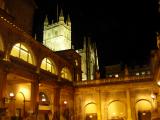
{"x":124,"y":30}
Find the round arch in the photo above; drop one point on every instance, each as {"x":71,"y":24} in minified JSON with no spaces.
{"x":116,"y":110}
{"x":90,"y":111}
{"x":49,"y":65}
{"x":24,"y":52}
{"x":143,"y":108}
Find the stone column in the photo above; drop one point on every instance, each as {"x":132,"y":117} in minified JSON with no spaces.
{"x":129,"y":114}
{"x":99,"y":114}
{"x":35,"y":96}
{"x":56,"y":114}
{"x":3,"y":86}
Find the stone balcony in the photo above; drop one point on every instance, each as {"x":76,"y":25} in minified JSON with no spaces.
{"x":119,"y":80}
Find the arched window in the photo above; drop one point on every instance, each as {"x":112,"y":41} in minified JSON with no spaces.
{"x":20,"y":51}
{"x":65,"y":73}
{"x":48,"y":66}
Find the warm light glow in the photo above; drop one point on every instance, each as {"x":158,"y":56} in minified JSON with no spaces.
{"x":144,"y":113}
{"x":43,"y":99}
{"x":143,"y":105}
{"x":116,"y":108}
{"x":65,"y":102}
{"x":25,"y":89}
{"x":116,"y":75}
{"x":11,"y":94}
{"x":158,"y":83}
{"x":153,"y":96}
{"x":90,"y":116}
{"x":91,"y":108}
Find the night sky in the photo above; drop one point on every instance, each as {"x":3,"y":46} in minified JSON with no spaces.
{"x":124,"y":30}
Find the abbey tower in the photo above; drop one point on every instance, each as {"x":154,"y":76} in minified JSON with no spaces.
{"x":57,"y":36}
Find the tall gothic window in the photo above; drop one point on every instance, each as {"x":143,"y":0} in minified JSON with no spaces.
{"x":48,"y":66}
{"x":20,"y":51}
{"x":65,"y":73}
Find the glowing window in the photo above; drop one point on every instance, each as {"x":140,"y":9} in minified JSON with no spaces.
{"x":137,"y":73}
{"x":65,"y":73}
{"x":22,"y":52}
{"x":48,"y":66}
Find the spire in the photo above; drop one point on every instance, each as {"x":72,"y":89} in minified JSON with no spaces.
{"x":46,"y":21}
{"x":61,"y":13}
{"x":68,"y":20}
{"x":61,"y":17}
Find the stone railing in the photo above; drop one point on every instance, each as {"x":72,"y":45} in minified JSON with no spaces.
{"x":126,"y":79}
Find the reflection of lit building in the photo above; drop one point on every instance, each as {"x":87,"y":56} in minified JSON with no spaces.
{"x":38,"y":83}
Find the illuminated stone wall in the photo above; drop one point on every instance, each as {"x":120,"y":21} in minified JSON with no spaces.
{"x":114,"y":101}
{"x":22,"y":12}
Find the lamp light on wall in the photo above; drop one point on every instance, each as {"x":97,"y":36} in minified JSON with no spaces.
{"x":11,"y":94}
{"x":158,"y":83}
{"x":65,"y":102}
{"x":43,"y":99}
{"x":153,"y":96}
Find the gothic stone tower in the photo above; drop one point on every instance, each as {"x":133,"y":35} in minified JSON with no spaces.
{"x":57,"y":36}
{"x":89,"y":59}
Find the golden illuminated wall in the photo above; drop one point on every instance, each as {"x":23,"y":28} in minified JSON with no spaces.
{"x":21,"y":12}
{"x":114,"y":101}
{"x":57,"y":36}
